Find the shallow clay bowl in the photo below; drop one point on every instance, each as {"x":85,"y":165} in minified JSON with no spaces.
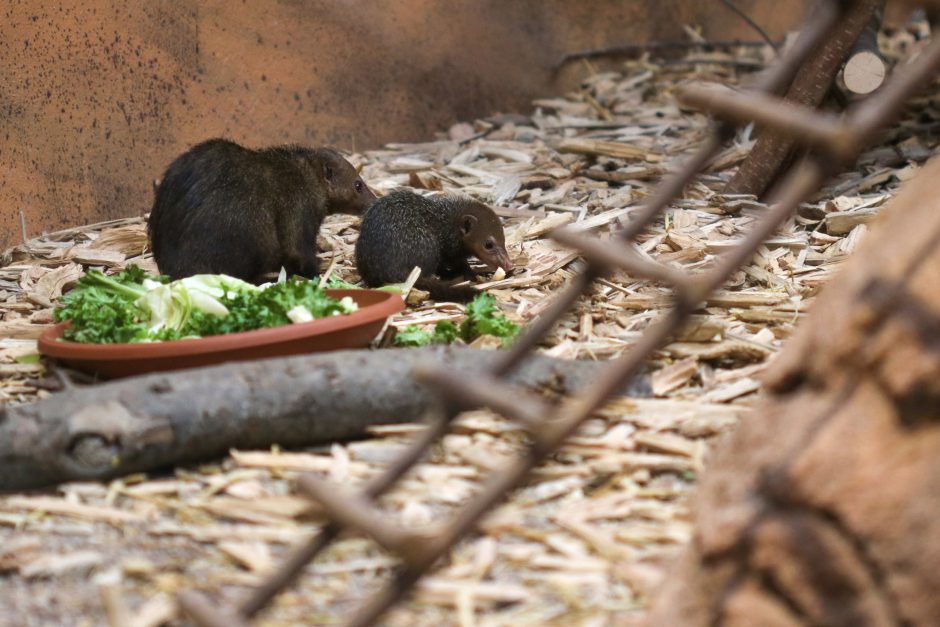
{"x":111,"y":361}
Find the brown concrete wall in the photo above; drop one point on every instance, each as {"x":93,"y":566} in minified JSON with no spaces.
{"x":98,"y":97}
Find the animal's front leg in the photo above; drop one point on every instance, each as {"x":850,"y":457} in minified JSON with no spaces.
{"x":457,"y":268}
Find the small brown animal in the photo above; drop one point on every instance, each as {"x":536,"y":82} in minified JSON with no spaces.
{"x":404,"y":230}
{"x":221,"y":208}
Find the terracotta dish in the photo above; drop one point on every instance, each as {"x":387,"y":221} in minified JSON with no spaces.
{"x":110,"y":361}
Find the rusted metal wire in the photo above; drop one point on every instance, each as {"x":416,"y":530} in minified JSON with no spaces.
{"x":549,"y":426}
{"x":822,"y":131}
{"x":198,"y":608}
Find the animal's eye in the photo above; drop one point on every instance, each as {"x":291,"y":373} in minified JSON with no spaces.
{"x":358,"y":186}
{"x":489,"y":245}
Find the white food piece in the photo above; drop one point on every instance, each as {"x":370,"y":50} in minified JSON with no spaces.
{"x":299,"y":314}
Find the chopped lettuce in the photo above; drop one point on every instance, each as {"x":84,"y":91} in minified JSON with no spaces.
{"x":171,"y":305}
{"x":338,"y":284}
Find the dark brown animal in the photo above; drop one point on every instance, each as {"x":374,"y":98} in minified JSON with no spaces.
{"x":437,"y":234}
{"x":221,"y":208}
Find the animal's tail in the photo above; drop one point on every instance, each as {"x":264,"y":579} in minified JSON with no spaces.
{"x":440,"y":290}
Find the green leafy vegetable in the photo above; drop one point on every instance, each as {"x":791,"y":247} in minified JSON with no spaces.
{"x":483,"y":318}
{"x":29,"y":358}
{"x":338,"y":284}
{"x":444,"y":332}
{"x":414,"y":335}
{"x":172,"y":305}
{"x":103,"y":310}
{"x":132,"y":307}
{"x":294,"y":300}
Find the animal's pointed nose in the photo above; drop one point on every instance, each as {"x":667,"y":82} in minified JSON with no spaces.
{"x":505,"y":262}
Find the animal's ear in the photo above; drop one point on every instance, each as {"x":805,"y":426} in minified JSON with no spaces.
{"x":328,"y":171}
{"x":467,"y":223}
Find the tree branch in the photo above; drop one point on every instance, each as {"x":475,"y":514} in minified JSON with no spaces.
{"x":151,"y":422}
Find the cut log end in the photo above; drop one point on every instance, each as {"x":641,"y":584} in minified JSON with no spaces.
{"x":864,"y":72}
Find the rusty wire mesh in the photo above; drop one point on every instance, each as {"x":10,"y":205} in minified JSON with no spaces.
{"x":836,"y":143}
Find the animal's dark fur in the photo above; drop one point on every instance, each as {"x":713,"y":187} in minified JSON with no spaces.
{"x":221,"y":208}
{"x":404,"y":230}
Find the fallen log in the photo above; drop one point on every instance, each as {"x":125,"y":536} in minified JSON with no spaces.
{"x":151,"y":422}
{"x":823,"y":508}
